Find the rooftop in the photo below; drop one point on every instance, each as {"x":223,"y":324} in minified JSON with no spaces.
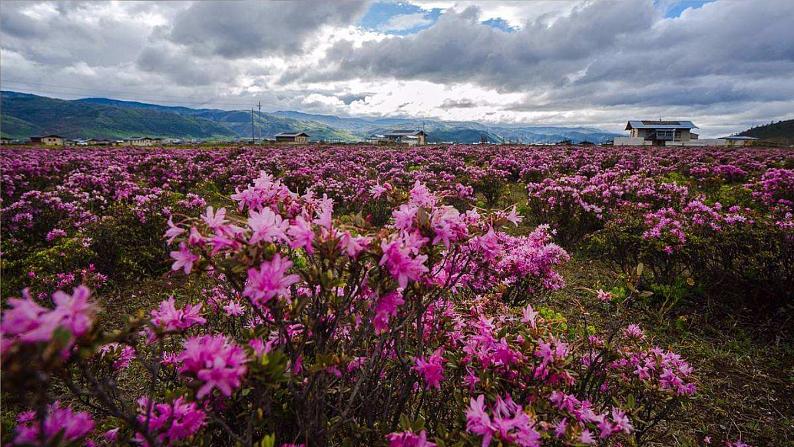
{"x":649,"y":124}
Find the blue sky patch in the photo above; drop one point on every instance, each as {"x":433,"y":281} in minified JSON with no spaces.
{"x":398,"y":18}
{"x":679,"y":7}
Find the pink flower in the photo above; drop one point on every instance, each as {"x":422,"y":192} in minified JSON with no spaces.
{"x":529,"y":316}
{"x":214,"y":360}
{"x":170,"y":423}
{"x":622,"y":422}
{"x":72,"y":426}
{"x":421,"y":196}
{"x":603,"y":296}
{"x":377,"y":190}
{"x":214,"y":220}
{"x":183,"y":258}
{"x":354,"y":245}
{"x":409,"y":439}
{"x":123,"y":355}
{"x":27,"y":322}
{"x":431,"y":370}
{"x":400,"y":264}
{"x":404,"y":216}
{"x":269,"y":281}
{"x":478,"y":421}
{"x":267,"y":226}
{"x":509,"y":423}
{"x":385,"y":309}
{"x":586,"y":437}
{"x":173,"y":231}
{"x":170,"y":319}
{"x":233,"y":308}
{"x":634,"y":331}
{"x":302,"y":235}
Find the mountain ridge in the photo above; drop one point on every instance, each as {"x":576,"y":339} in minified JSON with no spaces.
{"x":24,"y":115}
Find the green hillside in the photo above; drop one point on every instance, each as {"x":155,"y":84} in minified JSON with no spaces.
{"x":24,"y":115}
{"x":781,"y":132}
{"x":267,"y":125}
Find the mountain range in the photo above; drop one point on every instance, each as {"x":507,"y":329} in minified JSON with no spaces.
{"x":23,"y":115}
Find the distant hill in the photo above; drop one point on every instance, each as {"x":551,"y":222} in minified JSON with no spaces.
{"x":458,"y":131}
{"x":266,"y":125}
{"x":781,"y":132}
{"x":24,"y":115}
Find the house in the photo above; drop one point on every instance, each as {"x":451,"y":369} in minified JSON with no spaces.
{"x":145,"y":141}
{"x":738,"y":140}
{"x":409,"y":137}
{"x":49,"y":140}
{"x":99,"y":142}
{"x":292,"y":137}
{"x":657,"y":133}
{"x":5,"y":140}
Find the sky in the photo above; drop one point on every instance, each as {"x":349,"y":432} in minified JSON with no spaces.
{"x":724,"y":64}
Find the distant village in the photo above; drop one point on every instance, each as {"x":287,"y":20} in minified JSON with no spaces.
{"x":641,"y":133}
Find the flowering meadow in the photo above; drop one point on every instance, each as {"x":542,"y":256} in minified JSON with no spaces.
{"x":432,"y":296}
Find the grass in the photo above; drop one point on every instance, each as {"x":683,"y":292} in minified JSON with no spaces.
{"x":744,"y":369}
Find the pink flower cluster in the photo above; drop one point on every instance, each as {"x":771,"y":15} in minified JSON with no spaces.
{"x":215,"y":361}
{"x":170,"y":423}
{"x":507,"y":422}
{"x":28,"y":322}
{"x":170,"y":319}
{"x":71,"y":426}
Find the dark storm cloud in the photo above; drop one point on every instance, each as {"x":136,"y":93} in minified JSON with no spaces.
{"x":604,"y":53}
{"x":351,"y":97}
{"x":257,"y":28}
{"x":459,"y":48}
{"x":182,"y":67}
{"x":66,"y":33}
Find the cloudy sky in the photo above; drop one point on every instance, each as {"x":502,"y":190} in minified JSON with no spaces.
{"x":725,"y":64}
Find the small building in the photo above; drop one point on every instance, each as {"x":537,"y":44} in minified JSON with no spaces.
{"x":5,"y":141}
{"x":145,"y":141}
{"x":292,"y":137}
{"x":409,"y":137}
{"x":49,"y":140}
{"x":98,"y":142}
{"x":738,"y":140}
{"x":657,"y":133}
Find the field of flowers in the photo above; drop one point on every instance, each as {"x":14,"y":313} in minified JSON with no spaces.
{"x":356,"y":295}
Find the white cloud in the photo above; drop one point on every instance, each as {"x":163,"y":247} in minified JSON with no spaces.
{"x":592,"y":63}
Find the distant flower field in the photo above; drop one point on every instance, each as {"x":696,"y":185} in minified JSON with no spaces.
{"x":355,"y":295}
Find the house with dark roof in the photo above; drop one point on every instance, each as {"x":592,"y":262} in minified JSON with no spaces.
{"x":401,"y":136}
{"x":292,"y":137}
{"x":660,"y":132}
{"x":49,"y":140}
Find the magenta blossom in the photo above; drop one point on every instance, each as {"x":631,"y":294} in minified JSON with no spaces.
{"x":269,"y":281}
{"x":431,"y":369}
{"x":400,"y":264}
{"x":183,"y":258}
{"x":71,"y":425}
{"x":214,"y":360}
{"x":170,"y":319}
{"x":28,"y":322}
{"x":385,"y":309}
{"x":409,"y":439}
{"x":170,"y":423}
